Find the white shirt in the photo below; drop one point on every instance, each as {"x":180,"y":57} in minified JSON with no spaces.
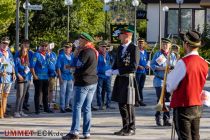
{"x":177,"y":74}
{"x":125,"y":46}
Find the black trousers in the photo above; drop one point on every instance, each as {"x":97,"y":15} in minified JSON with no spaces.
{"x":41,"y":86}
{"x":127,"y":112}
{"x":140,"y":78}
{"x":166,"y":115}
{"x":187,"y":122}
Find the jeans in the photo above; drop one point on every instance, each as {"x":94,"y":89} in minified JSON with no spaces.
{"x":66,"y":89}
{"x":166,"y":115}
{"x":83,"y":96}
{"x":106,"y":84}
{"x":140,"y":78}
{"x":187,"y":122}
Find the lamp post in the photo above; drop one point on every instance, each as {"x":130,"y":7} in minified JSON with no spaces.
{"x":17,"y":25}
{"x":165,"y":9}
{"x":135,"y":3}
{"x":160,"y":3}
{"x":68,"y":3}
{"x":179,"y":17}
{"x":25,"y":6}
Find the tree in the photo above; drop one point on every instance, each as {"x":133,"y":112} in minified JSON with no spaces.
{"x":7,"y":15}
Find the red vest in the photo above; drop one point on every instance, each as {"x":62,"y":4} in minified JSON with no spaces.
{"x":190,"y":87}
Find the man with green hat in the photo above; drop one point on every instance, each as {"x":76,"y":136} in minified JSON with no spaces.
{"x":124,"y":91}
{"x":186,"y":82}
{"x":158,"y":65}
{"x":85,"y":82}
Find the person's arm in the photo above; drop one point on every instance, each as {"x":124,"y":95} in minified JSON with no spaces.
{"x":175,"y":76}
{"x":32,"y":65}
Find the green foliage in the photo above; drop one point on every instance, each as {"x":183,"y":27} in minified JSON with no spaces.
{"x":205,"y":50}
{"x":7,"y":15}
{"x":142,"y":28}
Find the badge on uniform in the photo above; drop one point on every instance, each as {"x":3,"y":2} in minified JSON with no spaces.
{"x":127,"y":59}
{"x":161,"y":59}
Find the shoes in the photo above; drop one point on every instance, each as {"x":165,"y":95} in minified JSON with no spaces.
{"x":49,"y":110}
{"x":87,"y":136}
{"x":110,"y":107}
{"x":23,"y":114}
{"x":166,"y":123}
{"x":158,"y":121}
{"x":102,"y":107}
{"x":41,"y":107}
{"x":141,"y":103}
{"x":70,"y":136}
{"x":130,"y":132}
{"x":37,"y":112}
{"x":62,"y":111}
{"x":68,"y":109}
{"x":93,"y":108}
{"x":25,"y":108}
{"x":121,"y":132}
{"x":17,"y":115}
{"x":137,"y":104}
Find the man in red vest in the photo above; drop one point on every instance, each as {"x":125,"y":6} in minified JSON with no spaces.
{"x":186,"y":82}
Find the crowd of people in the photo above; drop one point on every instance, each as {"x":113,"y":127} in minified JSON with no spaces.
{"x":83,"y":71}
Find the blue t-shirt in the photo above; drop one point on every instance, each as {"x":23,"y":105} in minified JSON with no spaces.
{"x":103,"y":65}
{"x":6,"y":65}
{"x":143,"y":62}
{"x":51,"y":60}
{"x":61,"y":62}
{"x":40,"y":65}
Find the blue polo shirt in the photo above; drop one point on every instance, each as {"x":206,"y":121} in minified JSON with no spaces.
{"x":30,"y":55}
{"x":143,"y":61}
{"x":103,"y":65}
{"x":7,"y":64}
{"x":61,"y":62}
{"x":51,"y":60}
{"x":40,"y":66}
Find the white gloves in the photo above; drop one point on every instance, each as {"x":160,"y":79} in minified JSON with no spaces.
{"x":108,"y":72}
{"x":112,"y":72}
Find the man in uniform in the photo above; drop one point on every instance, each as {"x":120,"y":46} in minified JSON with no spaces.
{"x":142,"y":69}
{"x":125,"y":90}
{"x":192,"y":71}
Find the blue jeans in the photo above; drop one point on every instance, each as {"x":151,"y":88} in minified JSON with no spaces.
{"x":106,"y":84}
{"x":66,"y":89}
{"x":83,"y":96}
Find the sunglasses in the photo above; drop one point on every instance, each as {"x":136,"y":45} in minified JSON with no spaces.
{"x":5,"y":43}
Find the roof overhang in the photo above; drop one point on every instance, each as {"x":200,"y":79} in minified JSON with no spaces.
{"x":205,"y":3}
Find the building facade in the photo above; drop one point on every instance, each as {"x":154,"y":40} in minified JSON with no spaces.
{"x":192,"y":16}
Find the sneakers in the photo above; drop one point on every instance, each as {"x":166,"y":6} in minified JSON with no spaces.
{"x":23,"y":114}
{"x":17,"y":115}
{"x":158,"y":121}
{"x":70,"y":136}
{"x":166,"y":123}
{"x":62,"y":111}
{"x":141,"y":103}
{"x":68,"y":109}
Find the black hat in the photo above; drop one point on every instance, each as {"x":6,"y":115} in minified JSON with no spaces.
{"x":5,"y":40}
{"x":68,"y":45}
{"x":26,"y":41}
{"x":140,"y":39}
{"x":191,"y":37}
{"x":166,"y":40}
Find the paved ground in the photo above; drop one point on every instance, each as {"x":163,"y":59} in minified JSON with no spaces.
{"x":104,"y":123}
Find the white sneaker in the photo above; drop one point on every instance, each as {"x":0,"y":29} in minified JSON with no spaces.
{"x":17,"y":115}
{"x":23,"y":114}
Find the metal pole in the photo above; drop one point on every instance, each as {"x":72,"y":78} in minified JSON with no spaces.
{"x":105,"y":22}
{"x":135,"y":27}
{"x":179,"y":24}
{"x":160,"y":23}
{"x":17,"y":25}
{"x":68,"y":24}
{"x":26,"y":19}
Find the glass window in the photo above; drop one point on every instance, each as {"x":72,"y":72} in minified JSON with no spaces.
{"x":186,"y":19}
{"x":199,"y":20}
{"x":173,"y":22}
{"x":208,"y":16}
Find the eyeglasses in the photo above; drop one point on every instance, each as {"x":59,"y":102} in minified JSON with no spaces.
{"x":45,"y":46}
{"x":5,"y":43}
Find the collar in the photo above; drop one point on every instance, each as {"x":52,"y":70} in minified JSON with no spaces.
{"x":192,"y":53}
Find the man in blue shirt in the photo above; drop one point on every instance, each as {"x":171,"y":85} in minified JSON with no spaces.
{"x":104,"y":64}
{"x":52,"y":59}
{"x":7,"y":73}
{"x":142,"y":69}
{"x":39,"y":69}
{"x":64,"y":63}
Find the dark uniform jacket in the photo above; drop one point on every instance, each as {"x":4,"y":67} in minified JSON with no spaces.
{"x":125,"y":81}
